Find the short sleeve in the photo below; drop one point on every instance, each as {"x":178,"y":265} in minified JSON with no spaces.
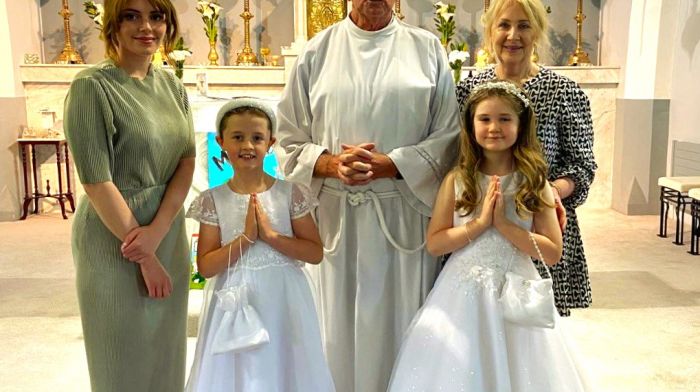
{"x":189,"y":151}
{"x":203,"y":209}
{"x":302,"y":201}
{"x":89,"y":130}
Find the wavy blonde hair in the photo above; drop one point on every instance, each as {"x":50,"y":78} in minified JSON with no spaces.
{"x":112,"y":19}
{"x":527,"y":154}
{"x":536,"y":14}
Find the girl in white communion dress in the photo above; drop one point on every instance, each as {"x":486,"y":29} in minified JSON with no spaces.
{"x":493,"y":212}
{"x":253,"y":230}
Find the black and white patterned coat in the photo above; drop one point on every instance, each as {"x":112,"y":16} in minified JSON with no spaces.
{"x":565,"y":131}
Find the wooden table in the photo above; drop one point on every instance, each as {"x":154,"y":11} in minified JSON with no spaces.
{"x":26,"y":146}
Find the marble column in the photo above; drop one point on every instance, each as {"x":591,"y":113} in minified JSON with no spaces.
{"x":642,"y":124}
{"x":291,"y":52}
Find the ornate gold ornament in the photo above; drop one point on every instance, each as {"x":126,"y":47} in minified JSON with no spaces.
{"x":68,"y":55}
{"x":323,"y":13}
{"x":247,"y":57}
{"x":579,"y":57}
{"x":397,"y":10}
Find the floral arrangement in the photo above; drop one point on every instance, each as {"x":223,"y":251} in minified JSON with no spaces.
{"x":444,"y":21}
{"x":178,"y":56}
{"x":459,"y":55}
{"x":95,"y":12}
{"x":210,"y":11}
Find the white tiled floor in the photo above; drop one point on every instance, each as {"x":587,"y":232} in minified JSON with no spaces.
{"x":642,"y":333}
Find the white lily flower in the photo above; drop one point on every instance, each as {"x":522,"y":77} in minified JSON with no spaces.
{"x":458,"y":55}
{"x":100,"y":8}
{"x":217,"y":8}
{"x":447,"y":16}
{"x":208,"y":12}
{"x":179,"y":55}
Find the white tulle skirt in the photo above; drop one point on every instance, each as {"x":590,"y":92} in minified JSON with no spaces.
{"x":293,"y":361}
{"x":459,"y":341}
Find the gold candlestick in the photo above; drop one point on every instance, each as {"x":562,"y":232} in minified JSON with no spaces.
{"x":483,"y":57}
{"x":579,"y":57}
{"x":68,"y":55}
{"x":397,"y":10}
{"x":247,"y":57}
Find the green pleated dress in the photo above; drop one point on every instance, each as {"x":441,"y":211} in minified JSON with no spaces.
{"x":133,"y":133}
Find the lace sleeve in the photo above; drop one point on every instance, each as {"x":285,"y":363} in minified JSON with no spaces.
{"x":302,"y":201}
{"x":203,"y":209}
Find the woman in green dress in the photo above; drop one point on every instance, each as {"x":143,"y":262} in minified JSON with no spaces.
{"x":129,"y":127}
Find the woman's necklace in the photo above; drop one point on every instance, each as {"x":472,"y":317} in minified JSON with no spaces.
{"x":523,"y":77}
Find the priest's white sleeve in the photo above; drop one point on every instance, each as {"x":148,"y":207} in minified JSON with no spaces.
{"x":296,"y":151}
{"x":424,"y":165}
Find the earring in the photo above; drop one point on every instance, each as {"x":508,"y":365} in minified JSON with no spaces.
{"x":535,"y":58}
{"x":224,"y":155}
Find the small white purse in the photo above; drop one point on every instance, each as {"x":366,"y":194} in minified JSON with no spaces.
{"x":240,"y":328}
{"x":528,"y":302}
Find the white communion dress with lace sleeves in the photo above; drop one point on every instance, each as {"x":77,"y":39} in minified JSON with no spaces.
{"x":293,"y":360}
{"x":459,"y":341}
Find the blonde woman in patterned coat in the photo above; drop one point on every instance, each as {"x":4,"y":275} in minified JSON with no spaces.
{"x":513,"y":30}
{"x":129,"y":127}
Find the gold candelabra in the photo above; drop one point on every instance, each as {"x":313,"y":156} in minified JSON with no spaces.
{"x":247,"y":57}
{"x":579,"y":57}
{"x":68,"y":55}
{"x":397,"y":10}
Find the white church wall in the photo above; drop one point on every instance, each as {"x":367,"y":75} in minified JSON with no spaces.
{"x":685,"y":80}
{"x":18,"y":35}
{"x":614,"y":30}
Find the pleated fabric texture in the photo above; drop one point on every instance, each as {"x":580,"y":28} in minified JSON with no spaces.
{"x":133,"y":133}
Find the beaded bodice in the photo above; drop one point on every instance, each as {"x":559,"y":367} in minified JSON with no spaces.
{"x":483,"y":263}
{"x":222,"y":207}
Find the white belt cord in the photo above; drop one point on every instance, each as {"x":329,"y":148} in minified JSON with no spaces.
{"x":357,"y":198}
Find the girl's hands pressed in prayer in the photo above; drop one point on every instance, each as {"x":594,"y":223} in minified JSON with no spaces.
{"x":487,"y":205}
{"x":499,"y":209}
{"x":251,"y":223}
{"x":265,"y":230}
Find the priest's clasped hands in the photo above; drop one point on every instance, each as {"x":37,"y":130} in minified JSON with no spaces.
{"x":360,"y":164}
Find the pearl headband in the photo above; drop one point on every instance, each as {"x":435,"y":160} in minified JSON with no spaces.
{"x":508,"y":87}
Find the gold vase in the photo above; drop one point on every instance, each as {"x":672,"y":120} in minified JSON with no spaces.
{"x":213,"y":55}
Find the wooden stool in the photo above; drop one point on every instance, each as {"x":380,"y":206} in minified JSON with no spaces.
{"x":674,"y":190}
{"x":32,"y":190}
{"x":694,"y":195}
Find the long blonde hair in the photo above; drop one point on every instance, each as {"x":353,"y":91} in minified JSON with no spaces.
{"x":527,"y":153}
{"x":112,"y":19}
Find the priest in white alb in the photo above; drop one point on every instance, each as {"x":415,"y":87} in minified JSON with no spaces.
{"x":369,"y":122}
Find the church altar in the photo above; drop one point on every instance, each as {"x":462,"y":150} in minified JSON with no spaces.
{"x":45,"y":87}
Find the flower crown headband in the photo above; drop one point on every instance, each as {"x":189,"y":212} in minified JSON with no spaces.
{"x":508,"y":87}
